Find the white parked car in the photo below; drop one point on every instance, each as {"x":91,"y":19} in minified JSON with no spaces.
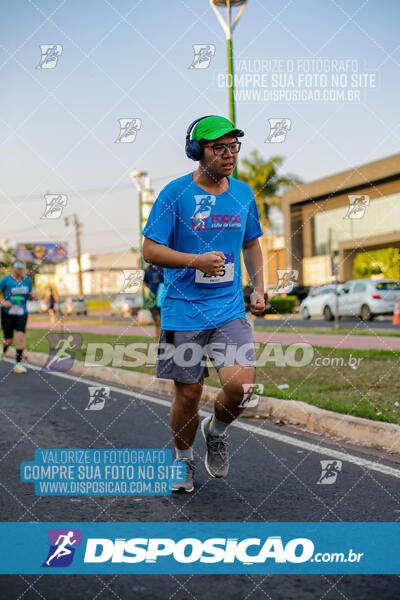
{"x":73,"y":305}
{"x":126,"y":304}
{"x":313,"y":304}
{"x":32,"y":306}
{"x":364,"y":298}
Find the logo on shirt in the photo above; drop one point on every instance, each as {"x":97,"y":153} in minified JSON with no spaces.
{"x":204,"y":204}
{"x":202,"y":213}
{"x":21,"y":289}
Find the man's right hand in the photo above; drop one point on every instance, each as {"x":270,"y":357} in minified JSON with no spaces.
{"x":210,"y":262}
{"x":6,"y":304}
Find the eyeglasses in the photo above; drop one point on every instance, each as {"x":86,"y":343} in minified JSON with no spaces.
{"x":219,"y":149}
{"x":18,"y":265}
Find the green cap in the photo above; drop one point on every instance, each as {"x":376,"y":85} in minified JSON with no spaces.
{"x":212,"y":128}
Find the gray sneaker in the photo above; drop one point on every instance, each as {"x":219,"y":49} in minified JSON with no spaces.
{"x":187,"y":485}
{"x":217,"y":457}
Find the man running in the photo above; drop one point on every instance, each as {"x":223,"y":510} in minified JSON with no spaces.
{"x":62,"y":549}
{"x":16,"y":290}
{"x":196,"y":230}
{"x":153,"y":279}
{"x":51,"y":304}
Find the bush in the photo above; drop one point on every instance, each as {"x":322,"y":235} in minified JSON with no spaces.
{"x":282,"y":304}
{"x":95,"y":304}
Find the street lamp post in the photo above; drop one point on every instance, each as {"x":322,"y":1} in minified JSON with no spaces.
{"x":141,"y":181}
{"x":78,"y":227}
{"x":228,"y":27}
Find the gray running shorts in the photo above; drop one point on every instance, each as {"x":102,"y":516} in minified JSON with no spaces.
{"x":181,"y":355}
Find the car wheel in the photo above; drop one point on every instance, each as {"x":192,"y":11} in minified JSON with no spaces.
{"x":305,"y":313}
{"x":85,"y":312}
{"x":366,"y":314}
{"x":328,"y":316}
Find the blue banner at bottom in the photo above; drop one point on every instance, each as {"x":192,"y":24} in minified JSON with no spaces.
{"x":199,"y":548}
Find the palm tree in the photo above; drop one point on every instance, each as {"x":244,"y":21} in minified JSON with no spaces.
{"x":267,"y":184}
{"x":7,"y":257}
{"x":262,"y":175}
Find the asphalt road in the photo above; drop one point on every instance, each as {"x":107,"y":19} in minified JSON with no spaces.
{"x":270,"y":479}
{"x":295,"y":321}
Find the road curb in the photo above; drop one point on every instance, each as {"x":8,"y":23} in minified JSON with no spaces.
{"x":375,"y":434}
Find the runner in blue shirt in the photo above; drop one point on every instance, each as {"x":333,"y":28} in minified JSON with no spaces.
{"x":16,"y":290}
{"x":197,"y":228}
{"x":153,"y":279}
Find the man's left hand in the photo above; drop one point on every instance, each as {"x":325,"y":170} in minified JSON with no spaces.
{"x":257,"y":303}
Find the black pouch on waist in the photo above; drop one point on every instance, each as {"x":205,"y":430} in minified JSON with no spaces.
{"x":169,"y":339}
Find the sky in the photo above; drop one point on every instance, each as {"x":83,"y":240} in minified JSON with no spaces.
{"x":132,"y":60}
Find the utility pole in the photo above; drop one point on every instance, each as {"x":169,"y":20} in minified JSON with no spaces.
{"x":228,"y":28}
{"x":141,"y":180}
{"x":335,"y":272}
{"x":77,"y":226}
{"x":78,"y":251}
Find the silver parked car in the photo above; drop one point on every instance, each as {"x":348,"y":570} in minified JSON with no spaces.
{"x":126,"y":304}
{"x":73,"y":305}
{"x":364,"y":298}
{"x":313,"y":304}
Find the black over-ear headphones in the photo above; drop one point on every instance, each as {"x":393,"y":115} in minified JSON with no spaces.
{"x":192,"y":147}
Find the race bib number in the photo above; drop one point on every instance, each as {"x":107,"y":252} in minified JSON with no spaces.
{"x":16,"y":310}
{"x":224,"y":278}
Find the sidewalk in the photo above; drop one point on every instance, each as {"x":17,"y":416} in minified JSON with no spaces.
{"x":356,"y":342}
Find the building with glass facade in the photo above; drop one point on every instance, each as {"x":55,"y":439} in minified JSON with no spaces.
{"x":331,"y":220}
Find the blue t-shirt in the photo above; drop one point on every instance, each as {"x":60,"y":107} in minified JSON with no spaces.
{"x":17,"y":293}
{"x":186,"y":218}
{"x":153,"y":276}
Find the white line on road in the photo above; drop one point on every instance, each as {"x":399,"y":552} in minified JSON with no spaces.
{"x":279,"y":437}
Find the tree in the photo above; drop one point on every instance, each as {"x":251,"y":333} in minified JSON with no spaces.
{"x":267,"y":184}
{"x":262,"y":175}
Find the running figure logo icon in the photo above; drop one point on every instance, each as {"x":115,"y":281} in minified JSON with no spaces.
{"x":128,"y":130}
{"x":62,"y":351}
{"x":202,"y":211}
{"x":55,"y":204}
{"x":278,"y":129}
{"x":132,"y":281}
{"x":250,"y":394}
{"x":287,"y":279}
{"x":330,"y":470}
{"x":98,"y":397}
{"x":62,"y":547}
{"x":357,"y":206}
{"x":50,"y":56}
{"x":202,"y":56}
